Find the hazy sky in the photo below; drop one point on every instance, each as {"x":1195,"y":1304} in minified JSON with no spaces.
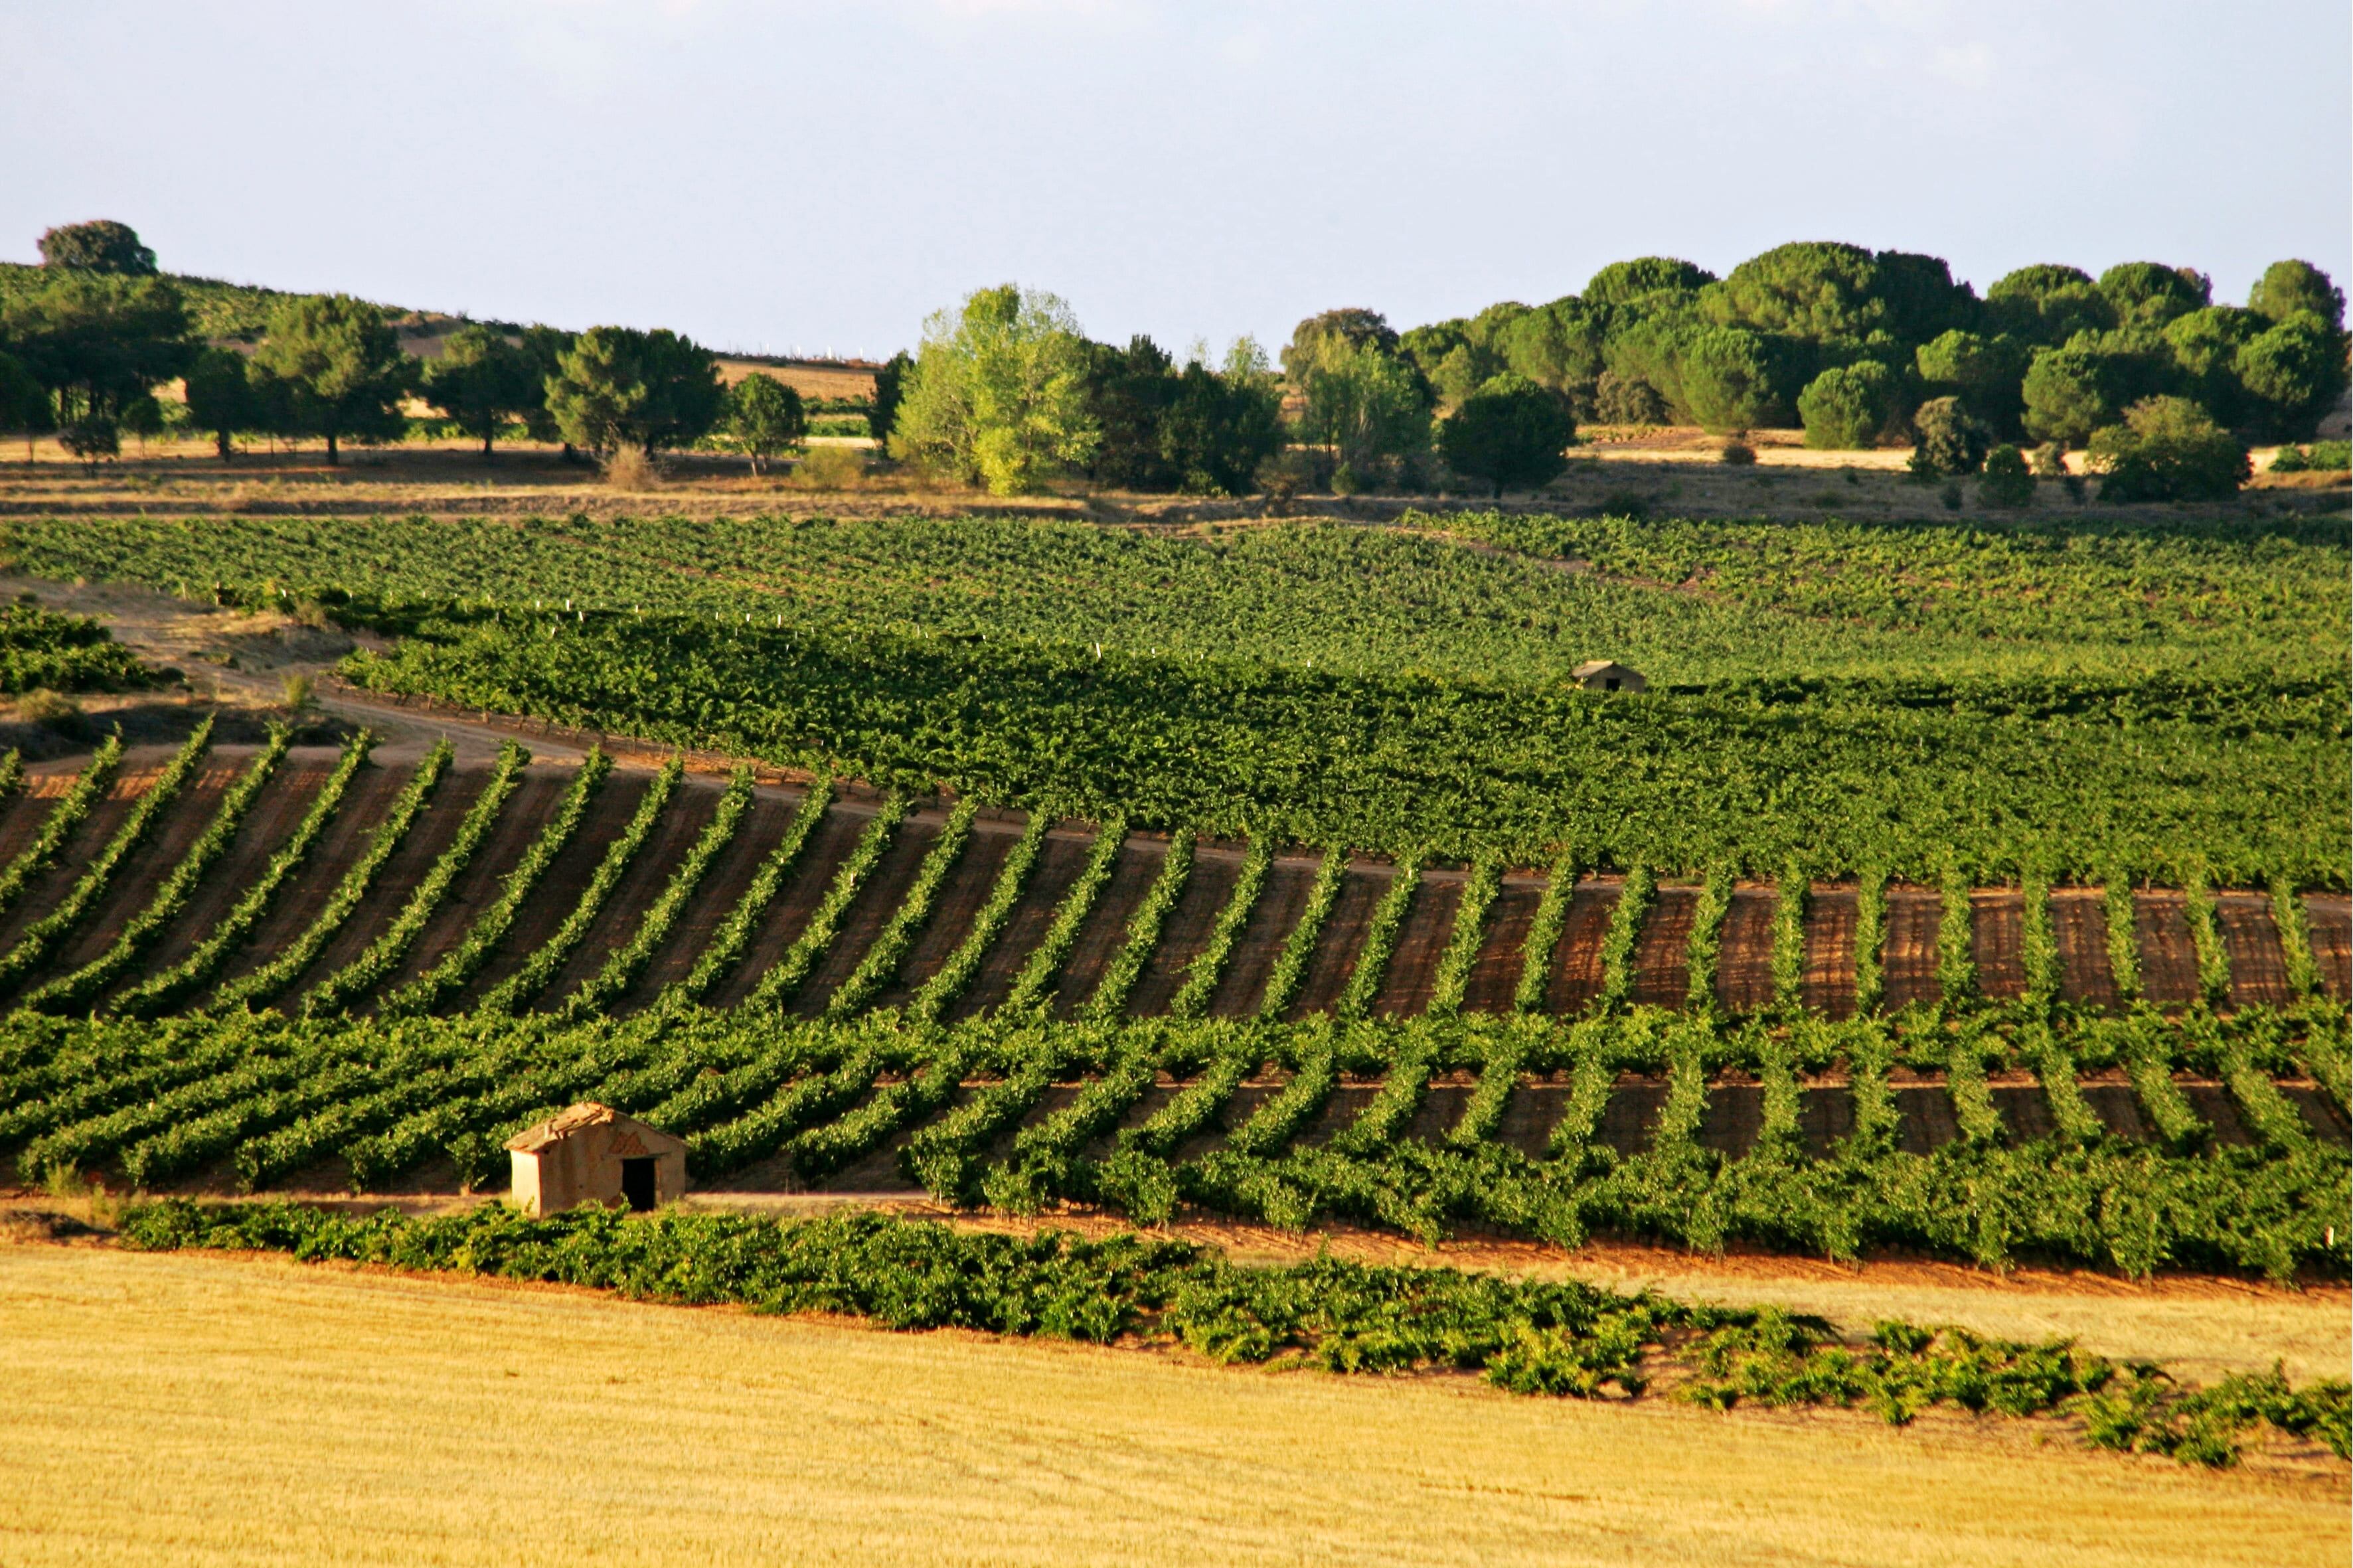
{"x":821,"y":176}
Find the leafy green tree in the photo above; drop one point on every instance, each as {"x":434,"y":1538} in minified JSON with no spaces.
{"x":999,"y":392}
{"x":1847,"y":406}
{"x":1947,"y":440}
{"x":99,"y":246}
{"x":1129,"y":394}
{"x":2291,"y":372}
{"x":1559,"y":346}
{"x":1628,"y":400}
{"x":765,"y":417}
{"x":2167,"y":448}
{"x":341,"y":368}
{"x":2203,"y":347}
{"x":2287,"y":286}
{"x":2007,"y":481}
{"x":1363,"y":400}
{"x":619,"y":387}
{"x":1223,"y":423}
{"x":222,"y":397}
{"x":1624,"y":282}
{"x":1827,"y":293}
{"x":483,"y":380}
{"x":1511,"y":433}
{"x":2150,"y":294}
{"x":546,"y":347}
{"x":1985,"y":372}
{"x":1728,"y":381}
{"x":890,"y":385}
{"x":2069,"y":393}
{"x":2047,"y":304}
{"x":24,"y":403}
{"x":96,"y":344}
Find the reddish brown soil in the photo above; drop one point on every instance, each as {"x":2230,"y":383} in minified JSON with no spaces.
{"x":1908,"y":967}
{"x":396,"y":879}
{"x":21,"y":817}
{"x":1280,"y":905}
{"x":1059,"y":863}
{"x":1577,"y":961}
{"x":1103,"y":933}
{"x":2025,"y":1109}
{"x":1632,"y":1111}
{"x":967,"y":888}
{"x":284,"y":801}
{"x":1825,"y":1115}
{"x":560,"y":887}
{"x":2251,"y":938}
{"x":1744,"y":964}
{"x":484,"y":879}
{"x":1926,"y":1118}
{"x":1662,"y":950}
{"x":2217,"y":1109}
{"x":80,"y":847}
{"x":649,"y":871}
{"x":1184,"y":932}
{"x":2168,"y":958}
{"x":1340,"y":1111}
{"x":1340,"y":940}
{"x":1995,"y":917}
{"x":1495,"y":976}
{"x":1733,"y":1116}
{"x":2328,"y":927}
{"x":723,"y":889}
{"x":2079,"y":925}
{"x":306,"y":891}
{"x":830,"y":843}
{"x":1413,"y":963}
{"x":1829,"y":985}
{"x":2111,"y":1100}
{"x":869,"y":913}
{"x":137,"y":877}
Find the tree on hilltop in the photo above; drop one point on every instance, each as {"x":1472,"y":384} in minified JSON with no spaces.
{"x":482,"y":380}
{"x":339,"y":365}
{"x":617,"y":387}
{"x":101,"y":244}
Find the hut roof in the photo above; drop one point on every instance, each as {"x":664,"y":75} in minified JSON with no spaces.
{"x":1596,"y":666}
{"x":586,"y":1114}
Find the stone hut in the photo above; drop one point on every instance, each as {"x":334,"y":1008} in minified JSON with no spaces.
{"x":594,"y":1154}
{"x":1608,"y":675}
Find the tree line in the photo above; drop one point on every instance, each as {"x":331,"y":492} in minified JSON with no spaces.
{"x":2139,"y":366}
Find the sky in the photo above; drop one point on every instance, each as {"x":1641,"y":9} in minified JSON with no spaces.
{"x":788,"y":177}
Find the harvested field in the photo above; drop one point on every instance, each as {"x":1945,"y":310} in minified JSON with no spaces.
{"x":1828,"y":983}
{"x":1909,"y":964}
{"x":1412,"y":972}
{"x":1743,"y":965}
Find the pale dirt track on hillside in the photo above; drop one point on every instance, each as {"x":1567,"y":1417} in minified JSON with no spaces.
{"x":180,"y":1409}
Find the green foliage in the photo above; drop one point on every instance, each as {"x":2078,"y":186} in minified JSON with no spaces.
{"x":484,"y":381}
{"x":2149,"y":293}
{"x":73,"y":807}
{"x":1208,"y":965}
{"x":1361,"y":400}
{"x":1143,"y":937}
{"x":96,"y":343}
{"x":222,"y":396}
{"x":617,"y":387}
{"x":765,"y":417}
{"x":338,"y":365}
{"x":2008,"y":482}
{"x":101,"y":244}
{"x":1290,"y":970}
{"x":1032,"y":987}
{"x":727,"y":945}
{"x":1847,"y":406}
{"x":2071,"y":392}
{"x":933,"y":997}
{"x":1543,"y":935}
{"x":1379,"y":942}
{"x":2168,"y":450}
{"x":2293,"y":372}
{"x":998,"y":394}
{"x":1729,"y":380}
{"x":2321,"y":457}
{"x":45,"y":650}
{"x":1627,"y":282}
{"x":1461,"y":954}
{"x":1826,"y":293}
{"x":2289,"y":287}
{"x":1509,"y":433}
{"x":1948,"y":439}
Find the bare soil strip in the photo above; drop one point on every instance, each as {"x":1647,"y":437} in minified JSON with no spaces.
{"x":135,"y":879}
{"x":691,"y":808}
{"x":885,"y":889}
{"x":961,"y":895}
{"x":1495,"y":975}
{"x":1577,"y":961}
{"x":1187,"y":930}
{"x":284,"y":801}
{"x":2079,"y":924}
{"x":1412,"y":972}
{"x":480,"y":885}
{"x":830,"y":843}
{"x":1059,"y":862}
{"x":395,"y":881}
{"x":723,"y":888}
{"x":1663,"y":953}
{"x":1829,"y":985}
{"x":1104,"y":932}
{"x":1909,"y":965}
{"x":551,"y":903}
{"x":2251,"y":938}
{"x":1280,"y":904}
{"x":82,"y":847}
{"x":1995,"y":917}
{"x":2328,"y":919}
{"x":1743,"y":965}
{"x":1333,"y":961}
{"x":2168,"y":959}
{"x":306,"y":893}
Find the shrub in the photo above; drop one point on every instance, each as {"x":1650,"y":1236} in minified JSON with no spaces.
{"x":1847,"y":406}
{"x":1947,"y":440}
{"x":1509,"y":433}
{"x":1737,"y":454}
{"x":50,"y":710}
{"x":2320,"y":458}
{"x":1627,"y":400}
{"x":2007,"y":481}
{"x":629,"y":468}
{"x":830,"y":468}
{"x":2050,"y":460}
{"x":2167,"y":448}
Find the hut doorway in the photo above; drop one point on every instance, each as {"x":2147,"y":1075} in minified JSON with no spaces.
{"x":638,"y":1183}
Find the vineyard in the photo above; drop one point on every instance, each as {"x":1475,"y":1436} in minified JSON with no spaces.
{"x":292,"y":969}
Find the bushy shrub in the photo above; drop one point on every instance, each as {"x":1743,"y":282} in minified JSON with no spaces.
{"x":1509,"y":433}
{"x":1947,"y":439}
{"x":2167,"y":448}
{"x":1627,"y":400}
{"x":1737,"y":454}
{"x":1847,"y":406}
{"x":2007,"y":482}
{"x":2320,"y":458}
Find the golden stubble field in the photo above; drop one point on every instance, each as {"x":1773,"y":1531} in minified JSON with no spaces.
{"x":217,"y":1410}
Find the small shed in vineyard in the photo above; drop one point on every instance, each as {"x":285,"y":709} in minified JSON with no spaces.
{"x":594,"y":1154}
{"x":1608,"y":675}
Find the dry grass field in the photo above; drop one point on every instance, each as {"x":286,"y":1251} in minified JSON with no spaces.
{"x":211,"y":1410}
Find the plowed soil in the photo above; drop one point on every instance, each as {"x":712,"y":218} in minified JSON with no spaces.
{"x":1340,"y":940}
{"x":1908,"y":967}
{"x":1577,"y":961}
{"x":2168,"y":958}
{"x":1733,"y":1116}
{"x":1413,"y":963}
{"x":1744,"y":964}
{"x":304,"y":893}
{"x":723,"y":889}
{"x":1059,"y":865}
{"x":1495,"y":977}
{"x":1925,"y":1113}
{"x":2251,"y":938}
{"x":869,"y":913}
{"x":558,"y":893}
{"x":1103,"y":933}
{"x":284,"y":801}
{"x":484,"y":880}
{"x":1632,"y":1111}
{"x":397,"y":878}
{"x":1280,"y":904}
{"x":1663,"y":953}
{"x":81,"y":845}
{"x":2079,"y":924}
{"x":22,"y":816}
{"x":967,"y":888}
{"x":1995,"y":915}
{"x":2328,"y":925}
{"x":1829,"y":985}
{"x":2217,"y":1109}
{"x":682,"y":823}
{"x":830,"y":843}
{"x":1186,"y":932}
{"x":135,"y":881}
